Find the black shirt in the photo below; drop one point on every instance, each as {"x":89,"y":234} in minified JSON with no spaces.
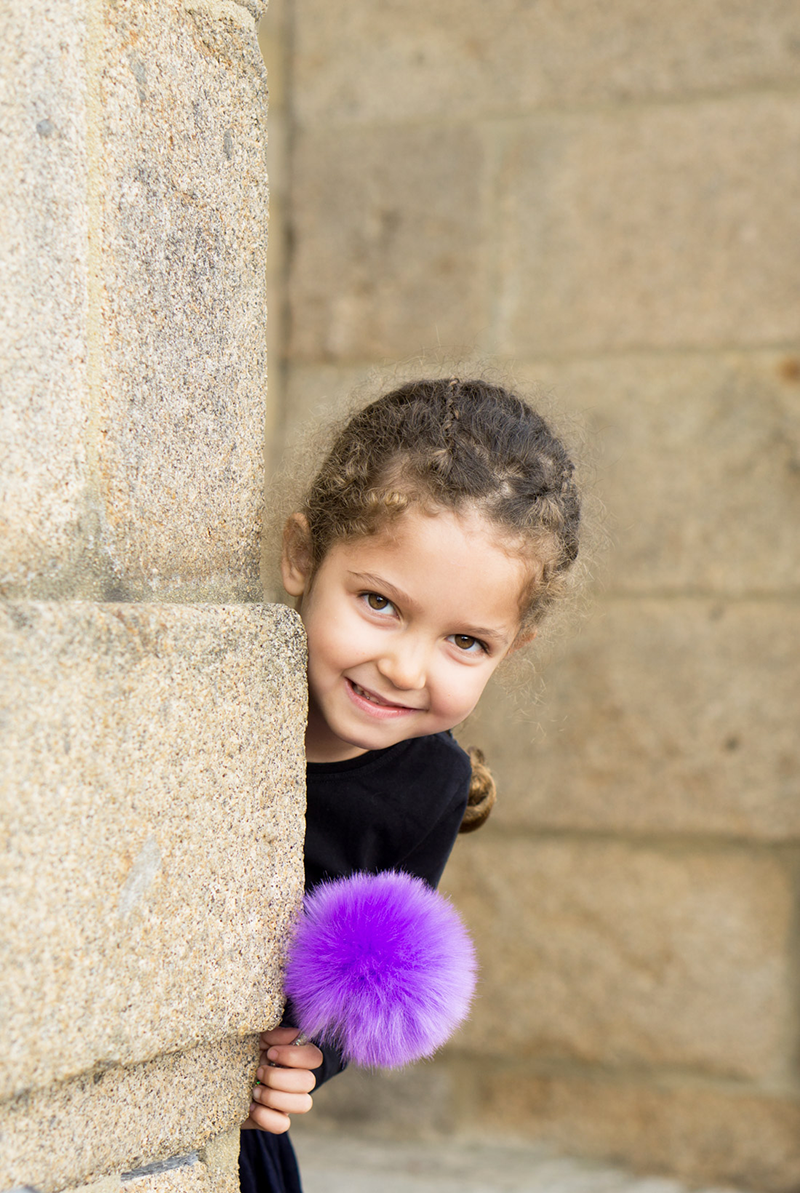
{"x":393,"y":809}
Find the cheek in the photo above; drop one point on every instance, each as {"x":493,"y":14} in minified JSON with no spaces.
{"x":462,"y":693}
{"x":335,"y":640}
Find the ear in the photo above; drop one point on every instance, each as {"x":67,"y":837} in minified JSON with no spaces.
{"x":296,"y":555}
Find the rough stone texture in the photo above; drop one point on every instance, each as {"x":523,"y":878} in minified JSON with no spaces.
{"x":151,"y":801}
{"x":133,"y":359}
{"x":152,"y":816}
{"x":272,"y":32}
{"x":181,"y":1174}
{"x":221,"y":1157}
{"x":660,"y":716}
{"x":697,"y":465}
{"x":617,"y":954}
{"x":120,"y":1119}
{"x":394,"y":265}
{"x":106,"y":1184}
{"x":182,"y":302}
{"x":652,"y":228}
{"x":43,"y":305}
{"x":705,"y":1134}
{"x":465,"y":59}
{"x":191,"y":1177}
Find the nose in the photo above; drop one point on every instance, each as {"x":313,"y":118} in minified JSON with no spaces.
{"x":405,"y":666}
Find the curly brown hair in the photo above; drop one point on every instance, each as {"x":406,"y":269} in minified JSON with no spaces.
{"x":454,"y":444}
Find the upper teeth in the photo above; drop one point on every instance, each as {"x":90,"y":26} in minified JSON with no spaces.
{"x":367,"y":695}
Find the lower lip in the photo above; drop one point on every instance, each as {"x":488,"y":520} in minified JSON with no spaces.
{"x":381,"y":712}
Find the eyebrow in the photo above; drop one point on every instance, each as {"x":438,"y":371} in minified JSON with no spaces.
{"x":382,"y":585}
{"x":385,"y":586}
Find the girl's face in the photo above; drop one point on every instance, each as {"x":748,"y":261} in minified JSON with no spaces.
{"x":404,"y":629}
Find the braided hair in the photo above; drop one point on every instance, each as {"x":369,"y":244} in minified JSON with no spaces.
{"x":457,"y":445}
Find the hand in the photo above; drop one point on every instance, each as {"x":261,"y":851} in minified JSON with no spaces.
{"x":285,"y":1090}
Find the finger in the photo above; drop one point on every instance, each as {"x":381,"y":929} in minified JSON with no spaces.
{"x":278,"y":1099}
{"x":292,"y":1081}
{"x":307,"y":1056}
{"x":279,"y":1035}
{"x":261,"y":1118}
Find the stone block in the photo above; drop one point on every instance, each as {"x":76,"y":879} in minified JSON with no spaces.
{"x":181,"y":1174}
{"x":105,"y":1184}
{"x":43,"y":305}
{"x":389,"y":227}
{"x":462,"y":59}
{"x":134,"y":246}
{"x":652,"y":228}
{"x":696,"y":460}
{"x":616,"y":954}
{"x":706,"y":1134}
{"x":192,"y":1176}
{"x":181,"y":302}
{"x":221,"y":1157}
{"x":660,"y":716}
{"x":119,"y":1120}
{"x":152,"y":820}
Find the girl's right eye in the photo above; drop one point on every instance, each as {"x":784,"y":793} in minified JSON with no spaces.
{"x":377,"y":602}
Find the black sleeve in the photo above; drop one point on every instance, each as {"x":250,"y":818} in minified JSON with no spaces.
{"x":428,"y":859}
{"x":332,"y":1063}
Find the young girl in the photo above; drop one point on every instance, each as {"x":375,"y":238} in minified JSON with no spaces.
{"x":435,"y":536}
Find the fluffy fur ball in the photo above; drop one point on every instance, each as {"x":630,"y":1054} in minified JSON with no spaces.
{"x":382,"y":966}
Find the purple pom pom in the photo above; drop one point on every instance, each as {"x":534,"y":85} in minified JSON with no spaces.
{"x":381,"y":965}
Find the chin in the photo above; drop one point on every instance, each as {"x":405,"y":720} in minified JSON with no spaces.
{"x":371,"y":740}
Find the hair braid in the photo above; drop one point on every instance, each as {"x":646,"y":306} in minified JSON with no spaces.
{"x":482,"y":793}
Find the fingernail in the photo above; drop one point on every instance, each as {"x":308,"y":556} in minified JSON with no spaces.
{"x":273,"y":1054}
{"x":260,"y":1075}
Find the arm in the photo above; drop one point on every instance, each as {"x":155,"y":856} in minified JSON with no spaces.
{"x":428,"y":859}
{"x":452,"y":774}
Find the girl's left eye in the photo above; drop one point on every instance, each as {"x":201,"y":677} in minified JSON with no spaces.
{"x":377,"y":602}
{"x":468,"y":644}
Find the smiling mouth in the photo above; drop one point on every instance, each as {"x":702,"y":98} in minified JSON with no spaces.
{"x":378,"y":701}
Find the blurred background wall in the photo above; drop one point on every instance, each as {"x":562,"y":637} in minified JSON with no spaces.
{"x":603,"y":200}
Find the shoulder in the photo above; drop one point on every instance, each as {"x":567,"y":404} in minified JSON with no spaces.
{"x":440,"y":801}
{"x":439,"y":755}
{"x":442,"y":750}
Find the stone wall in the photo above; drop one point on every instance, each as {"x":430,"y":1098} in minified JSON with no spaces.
{"x":603,"y":199}
{"x":152,"y":711}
